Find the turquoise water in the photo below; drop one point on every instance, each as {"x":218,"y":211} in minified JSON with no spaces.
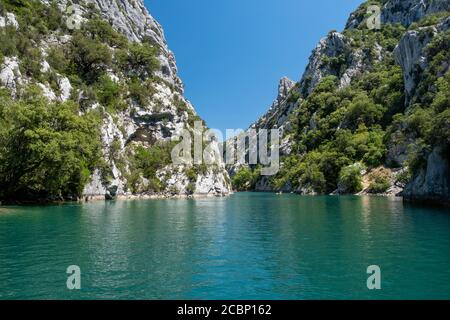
{"x":247,"y":246}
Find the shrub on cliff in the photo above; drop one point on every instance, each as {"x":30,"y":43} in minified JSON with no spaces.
{"x":138,"y":60}
{"x":380,"y":181}
{"x":90,"y":57}
{"x":245,"y":179}
{"x":350,"y":179}
{"x":98,"y":29}
{"x":110,"y":94}
{"x":145,"y":163}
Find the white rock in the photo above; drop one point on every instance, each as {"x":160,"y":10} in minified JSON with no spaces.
{"x":10,"y":75}
{"x":433,"y":182}
{"x":409,"y":11}
{"x":404,"y":12}
{"x":47,"y":92}
{"x":211,"y":184}
{"x":95,"y":186}
{"x":65,"y":88}
{"x":45,"y":67}
{"x":113,"y":77}
{"x":9,"y":20}
{"x":177,"y":181}
{"x":132,"y":19}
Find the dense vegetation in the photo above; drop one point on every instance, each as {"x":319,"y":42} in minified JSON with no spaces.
{"x":245,"y":179}
{"x":48,"y":150}
{"x":145,"y":163}
{"x":342,"y":132}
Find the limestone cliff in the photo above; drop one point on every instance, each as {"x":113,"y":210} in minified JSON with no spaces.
{"x":409,"y":28}
{"x":131,"y":18}
{"x":432,"y":183}
{"x":154,"y":120}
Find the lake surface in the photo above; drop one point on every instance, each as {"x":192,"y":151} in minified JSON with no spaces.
{"x":247,"y":246}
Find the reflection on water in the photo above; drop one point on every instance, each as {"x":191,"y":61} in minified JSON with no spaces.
{"x":249,"y":246}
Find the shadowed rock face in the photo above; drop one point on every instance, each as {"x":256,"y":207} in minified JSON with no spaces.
{"x":432,"y":184}
{"x":406,"y":12}
{"x":275,"y":114}
{"x":147,"y":126}
{"x":275,"y":117}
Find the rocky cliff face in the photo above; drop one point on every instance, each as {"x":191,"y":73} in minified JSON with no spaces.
{"x":341,"y":55}
{"x":432,"y":183}
{"x":412,"y":57}
{"x":157,"y":120}
{"x":131,"y":18}
{"x":280,"y":107}
{"x":406,"y":12}
{"x":339,"y":47}
{"x":409,"y":51}
{"x":276,"y":117}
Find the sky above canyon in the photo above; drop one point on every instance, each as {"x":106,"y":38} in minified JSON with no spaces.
{"x":232,"y":53}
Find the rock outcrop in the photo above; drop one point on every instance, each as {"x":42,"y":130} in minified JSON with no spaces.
{"x":347,"y":62}
{"x":338,"y":55}
{"x":9,"y":20}
{"x":432,"y":184}
{"x":158,"y":121}
{"x":280,"y":108}
{"x":275,"y":118}
{"x":162,"y":117}
{"x":10,"y":75}
{"x":411,"y":55}
{"x":132,"y":18}
{"x":406,"y":12}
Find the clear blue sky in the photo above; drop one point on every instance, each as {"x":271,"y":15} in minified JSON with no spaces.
{"x":232,"y":53}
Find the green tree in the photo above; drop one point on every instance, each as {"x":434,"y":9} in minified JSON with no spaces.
{"x":146,"y":161}
{"x":100,"y":30}
{"x":90,"y":57}
{"x":350,"y":179}
{"x":47,"y":150}
{"x":110,"y":93}
{"x":139,"y":60}
{"x":245,"y":179}
{"x":380,"y":183}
